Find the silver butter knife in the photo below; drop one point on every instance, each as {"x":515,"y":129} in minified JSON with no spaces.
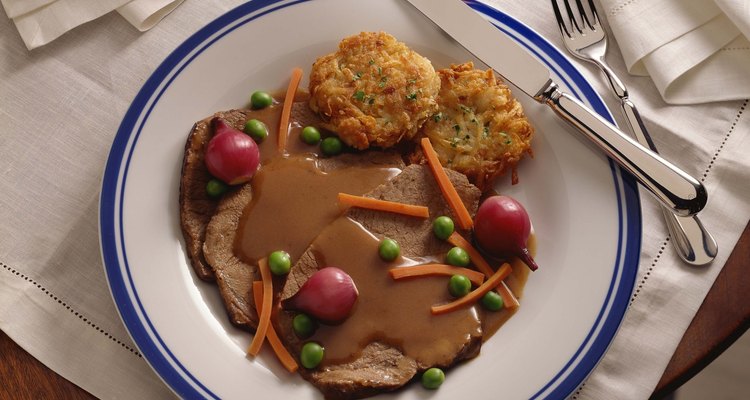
{"x":672,"y":187}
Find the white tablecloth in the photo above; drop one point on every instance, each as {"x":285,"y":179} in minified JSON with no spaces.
{"x":61,"y":104}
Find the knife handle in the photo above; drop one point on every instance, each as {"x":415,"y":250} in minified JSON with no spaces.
{"x":674,"y":188}
{"x":694,"y":243}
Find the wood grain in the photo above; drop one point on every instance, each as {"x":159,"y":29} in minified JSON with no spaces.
{"x":23,"y":377}
{"x":723,"y":317}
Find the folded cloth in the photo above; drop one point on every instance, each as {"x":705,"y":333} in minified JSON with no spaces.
{"x":695,"y":51}
{"x":42,"y":21}
{"x":144,"y":14}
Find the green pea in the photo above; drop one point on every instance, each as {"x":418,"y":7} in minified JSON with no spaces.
{"x":215,"y":188}
{"x":433,"y":378}
{"x":459,"y":285}
{"x":492,"y":301}
{"x":331,"y":146}
{"x":389,"y":249}
{"x":458,"y":257}
{"x":311,"y":355}
{"x":310,"y":135}
{"x":304,"y":326}
{"x":279,"y":262}
{"x":260,"y":100}
{"x":443,"y":227}
{"x":256,"y":129}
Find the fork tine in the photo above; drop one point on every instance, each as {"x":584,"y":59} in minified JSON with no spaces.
{"x":560,"y":20}
{"x":594,"y":13}
{"x":571,"y":17}
{"x":584,"y":16}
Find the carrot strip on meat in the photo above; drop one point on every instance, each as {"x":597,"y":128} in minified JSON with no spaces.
{"x":479,"y":261}
{"x":476,"y":294}
{"x":475,"y":277}
{"x":384,"y":205}
{"x":264,"y":317}
{"x":286,"y":110}
{"x":509,"y":300}
{"x":446,"y":186}
{"x":286,"y":359}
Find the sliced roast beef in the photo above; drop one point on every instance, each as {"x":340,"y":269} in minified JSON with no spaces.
{"x":233,"y":275}
{"x":382,"y":367}
{"x":196,"y":207}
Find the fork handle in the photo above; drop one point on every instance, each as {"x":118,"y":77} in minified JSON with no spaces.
{"x":694,"y":243}
{"x":614,"y":81}
{"x":672,"y":186}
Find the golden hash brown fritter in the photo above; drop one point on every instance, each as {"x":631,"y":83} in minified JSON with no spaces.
{"x":373,"y":91}
{"x":480,"y":129}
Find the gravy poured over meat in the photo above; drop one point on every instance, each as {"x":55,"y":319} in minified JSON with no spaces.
{"x":295,"y":194}
{"x":293,"y":199}
{"x":395,"y":313}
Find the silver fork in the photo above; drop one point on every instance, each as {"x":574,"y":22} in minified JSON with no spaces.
{"x":585,"y":38}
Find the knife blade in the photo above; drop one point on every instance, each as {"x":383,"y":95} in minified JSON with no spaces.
{"x":669,"y":184}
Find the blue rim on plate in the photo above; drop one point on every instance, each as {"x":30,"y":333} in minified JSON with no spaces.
{"x":114,"y":253}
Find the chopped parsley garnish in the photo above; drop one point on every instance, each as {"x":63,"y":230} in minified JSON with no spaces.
{"x":380,"y":71}
{"x":437,"y":117}
{"x":412,"y":96}
{"x":372,"y":62}
{"x":359,"y":95}
{"x":383,"y":80}
{"x":508,"y":139}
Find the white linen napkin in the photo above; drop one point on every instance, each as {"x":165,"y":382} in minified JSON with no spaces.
{"x":42,"y":21}
{"x":695,"y":51}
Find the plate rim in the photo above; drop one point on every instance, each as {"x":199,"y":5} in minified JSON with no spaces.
{"x":565,"y":382}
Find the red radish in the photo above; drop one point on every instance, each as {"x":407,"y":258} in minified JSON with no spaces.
{"x":328,"y":295}
{"x":231,"y":155}
{"x":502,"y":228}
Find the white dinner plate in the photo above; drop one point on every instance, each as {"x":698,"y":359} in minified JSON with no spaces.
{"x":585,"y":212}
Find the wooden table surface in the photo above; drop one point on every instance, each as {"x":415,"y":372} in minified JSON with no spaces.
{"x":723,"y":317}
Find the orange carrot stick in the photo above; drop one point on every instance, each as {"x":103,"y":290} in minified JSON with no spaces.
{"x":509,"y":300}
{"x":383,"y":205}
{"x":286,"y":110}
{"x":264,"y":317}
{"x":446,"y":186}
{"x":479,"y":261}
{"x":286,"y":359}
{"x":475,"y":294}
{"x":475,"y":277}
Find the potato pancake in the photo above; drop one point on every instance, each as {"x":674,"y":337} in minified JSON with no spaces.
{"x":480,"y":129}
{"x":373,"y":91}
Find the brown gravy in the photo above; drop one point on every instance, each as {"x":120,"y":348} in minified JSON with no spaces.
{"x":395,"y":313}
{"x":294,"y":199}
{"x":493,"y":320}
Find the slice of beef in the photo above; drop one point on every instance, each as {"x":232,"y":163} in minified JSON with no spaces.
{"x":234,"y":276}
{"x":382,"y":367}
{"x":196,"y":207}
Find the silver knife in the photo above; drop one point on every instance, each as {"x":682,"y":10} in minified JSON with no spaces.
{"x":672,"y":186}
